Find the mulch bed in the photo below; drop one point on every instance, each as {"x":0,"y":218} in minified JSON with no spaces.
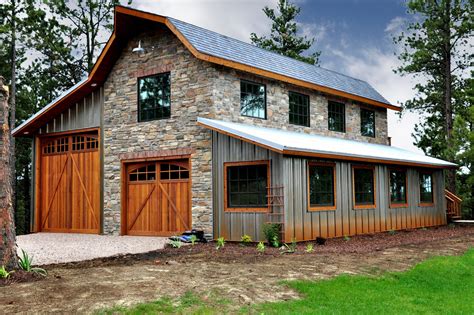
{"x":235,"y":252}
{"x":18,"y":276}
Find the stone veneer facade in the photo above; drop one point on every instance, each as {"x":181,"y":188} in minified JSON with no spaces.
{"x":198,"y":89}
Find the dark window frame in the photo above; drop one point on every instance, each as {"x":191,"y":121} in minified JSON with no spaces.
{"x":359,"y":205}
{"x":227,"y":207}
{"x":301,"y":112}
{"x":338,"y":112}
{"x":362,"y":131}
{"x":397,"y":204}
{"x":424,"y":203}
{"x":334,"y":180}
{"x":242,"y":81}
{"x":139,"y":118}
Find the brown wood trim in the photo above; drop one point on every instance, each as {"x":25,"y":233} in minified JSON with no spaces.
{"x":394,"y":205}
{"x":69,"y":132}
{"x":321,"y":208}
{"x":426,"y":204}
{"x":245,"y":163}
{"x":38,"y":153}
{"x":365,"y":206}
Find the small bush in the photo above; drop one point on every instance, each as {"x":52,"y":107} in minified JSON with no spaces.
{"x":261,"y":247}
{"x":290,"y":249}
{"x":246,"y":239}
{"x":193,"y":239}
{"x":25,"y":263}
{"x":4,"y":274}
{"x":346,"y":238}
{"x":220,"y":243}
{"x":271,"y":231}
{"x":392,"y":232}
{"x":309,"y":248}
{"x":176,"y":243}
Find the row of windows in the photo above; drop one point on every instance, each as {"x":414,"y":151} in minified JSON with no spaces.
{"x":154,"y":102}
{"x":76,"y":143}
{"x":167,"y":171}
{"x":246,"y":186}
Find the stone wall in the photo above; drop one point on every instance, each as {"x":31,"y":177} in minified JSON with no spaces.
{"x":7,"y":223}
{"x":191,"y":96}
{"x":227,"y":103}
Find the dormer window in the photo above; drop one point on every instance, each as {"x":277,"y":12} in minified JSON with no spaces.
{"x":154,"y":100}
{"x":253,"y":99}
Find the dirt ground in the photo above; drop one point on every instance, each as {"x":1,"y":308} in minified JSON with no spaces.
{"x":235,"y":272}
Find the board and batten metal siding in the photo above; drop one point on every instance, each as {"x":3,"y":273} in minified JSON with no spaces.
{"x":232,"y":225}
{"x":84,"y":114}
{"x":307,"y":225}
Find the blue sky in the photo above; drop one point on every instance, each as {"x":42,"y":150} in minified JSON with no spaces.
{"x":355,"y":37}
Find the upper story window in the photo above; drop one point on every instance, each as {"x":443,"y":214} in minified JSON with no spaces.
{"x":321,"y":186}
{"x":398,"y":188}
{"x":364,"y":187}
{"x":367,"y":122}
{"x":299,"y":109}
{"x":253,"y":100}
{"x":154,"y":101}
{"x":426,"y":188}
{"x":336,"y":116}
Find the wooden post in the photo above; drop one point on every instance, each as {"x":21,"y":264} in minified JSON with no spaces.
{"x":8,"y":256}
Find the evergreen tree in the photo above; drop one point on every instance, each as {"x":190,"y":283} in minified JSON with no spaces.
{"x":436,"y":48}
{"x":283,"y":38}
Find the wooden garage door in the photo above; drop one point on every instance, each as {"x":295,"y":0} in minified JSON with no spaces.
{"x":69,"y":184}
{"x":157,"y":198}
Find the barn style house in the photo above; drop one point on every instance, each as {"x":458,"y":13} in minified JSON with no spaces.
{"x":178,"y":127}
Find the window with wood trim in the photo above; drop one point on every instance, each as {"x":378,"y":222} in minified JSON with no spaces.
{"x":253,"y":99}
{"x":143,"y":173}
{"x":367,"y":122}
{"x":84,"y":143}
{"x":154,"y":97}
{"x":398,"y":187}
{"x":299,"y":109}
{"x":363,"y":186}
{"x":426,"y":188}
{"x":246,"y":186}
{"x":73,"y":143}
{"x":322,"y":186}
{"x":336,"y":116}
{"x":172,"y":171}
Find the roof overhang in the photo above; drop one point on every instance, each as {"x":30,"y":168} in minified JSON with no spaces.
{"x":317,"y":146}
{"x":128,"y":22}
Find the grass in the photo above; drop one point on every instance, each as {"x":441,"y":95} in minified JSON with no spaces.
{"x":438,"y":285}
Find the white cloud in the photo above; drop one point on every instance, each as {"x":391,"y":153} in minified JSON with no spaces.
{"x":396,"y":25}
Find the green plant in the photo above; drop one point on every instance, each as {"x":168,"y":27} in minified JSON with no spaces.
{"x":271,"y":231}
{"x":346,"y":238}
{"x":193,"y":239}
{"x":452,"y":225}
{"x":392,"y":232}
{"x":4,"y":274}
{"x":309,"y":248}
{"x":25,"y":263}
{"x":246,"y":239}
{"x":423,"y":228}
{"x":176,"y":243}
{"x":220,"y":242}
{"x":261,"y":247}
{"x":290,"y":249}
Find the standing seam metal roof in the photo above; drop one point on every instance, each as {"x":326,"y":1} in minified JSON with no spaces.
{"x":215,"y":44}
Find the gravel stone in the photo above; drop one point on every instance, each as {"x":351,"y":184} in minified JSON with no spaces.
{"x":52,"y":248}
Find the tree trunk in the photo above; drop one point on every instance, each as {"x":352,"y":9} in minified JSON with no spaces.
{"x":8,"y":256}
{"x":13,"y":100}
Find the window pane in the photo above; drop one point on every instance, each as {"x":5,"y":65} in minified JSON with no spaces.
{"x":299,"y":109}
{"x":398,"y":193}
{"x":321,"y":185}
{"x":154,"y":101}
{"x":367,"y":122}
{"x":364,"y":186}
{"x":336,"y":116}
{"x":247,"y":186}
{"x":252,"y":100}
{"x":426,"y":188}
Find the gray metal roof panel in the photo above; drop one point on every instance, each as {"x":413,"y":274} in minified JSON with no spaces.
{"x":214,"y":44}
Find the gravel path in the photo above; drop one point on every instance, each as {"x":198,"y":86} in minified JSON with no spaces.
{"x":51,"y":248}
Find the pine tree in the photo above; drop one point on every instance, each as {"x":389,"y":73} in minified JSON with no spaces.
{"x":283,"y":38}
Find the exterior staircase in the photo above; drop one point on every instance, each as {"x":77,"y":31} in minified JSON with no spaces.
{"x":453,"y":205}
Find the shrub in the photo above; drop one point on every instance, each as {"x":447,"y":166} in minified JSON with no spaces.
{"x":220,"y":243}
{"x":193,"y":239}
{"x":4,"y":274}
{"x":25,"y":263}
{"x":309,"y":248}
{"x":261,"y":247}
{"x":346,"y":238}
{"x":392,"y":232}
{"x":176,"y":243}
{"x":246,"y":239}
{"x":290,"y":249}
{"x":271,"y":231}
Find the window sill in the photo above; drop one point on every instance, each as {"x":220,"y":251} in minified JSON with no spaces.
{"x":322,"y":208}
{"x":398,"y":205}
{"x":258,"y":210}
{"x":362,"y":207}
{"x":426,"y":204}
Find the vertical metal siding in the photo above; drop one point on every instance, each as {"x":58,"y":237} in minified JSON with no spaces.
{"x":84,"y":114}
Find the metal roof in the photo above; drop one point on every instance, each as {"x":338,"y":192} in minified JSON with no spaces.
{"x":214,"y":44}
{"x":316,"y":145}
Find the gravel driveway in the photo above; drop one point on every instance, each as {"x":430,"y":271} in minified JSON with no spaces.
{"x":51,"y":248}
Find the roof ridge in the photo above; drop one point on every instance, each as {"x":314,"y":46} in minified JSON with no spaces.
{"x":268,"y":51}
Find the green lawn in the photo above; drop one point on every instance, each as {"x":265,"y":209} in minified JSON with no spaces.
{"x":439,"y":285}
